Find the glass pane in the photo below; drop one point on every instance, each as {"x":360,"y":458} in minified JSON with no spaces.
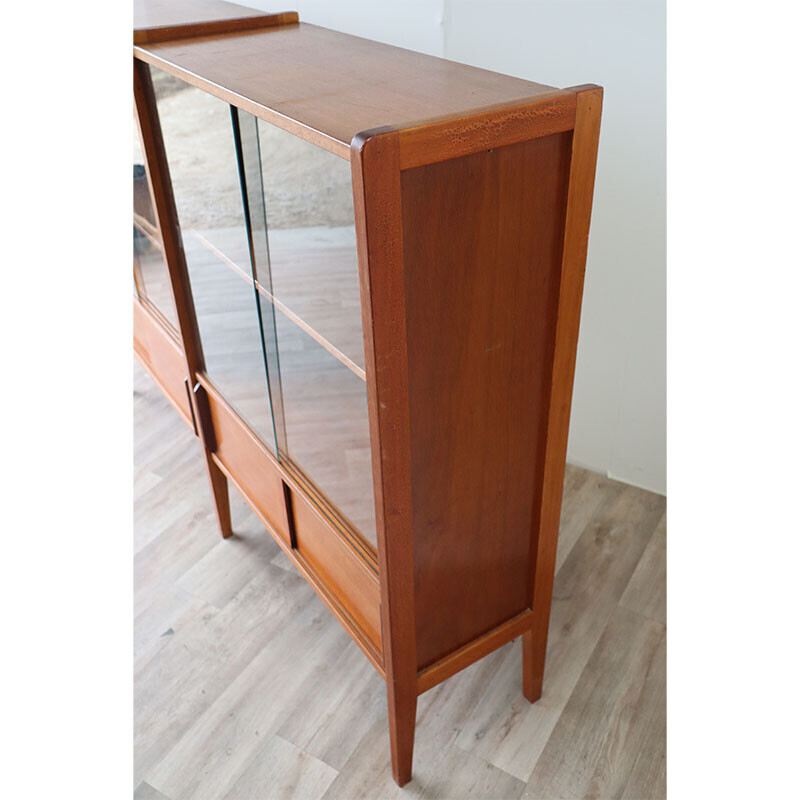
{"x":201,"y":152}
{"x":151,"y":279}
{"x":246,"y":136}
{"x":308,"y":283}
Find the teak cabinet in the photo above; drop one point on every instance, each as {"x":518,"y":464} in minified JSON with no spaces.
{"x":358,"y":276}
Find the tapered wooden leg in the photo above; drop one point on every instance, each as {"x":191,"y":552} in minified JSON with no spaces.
{"x":532,"y":666}
{"x":219,"y":491}
{"x":402,"y":704}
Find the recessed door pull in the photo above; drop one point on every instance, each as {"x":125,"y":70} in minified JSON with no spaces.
{"x":204,"y":418}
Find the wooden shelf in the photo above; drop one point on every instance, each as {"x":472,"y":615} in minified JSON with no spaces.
{"x":297,"y":314}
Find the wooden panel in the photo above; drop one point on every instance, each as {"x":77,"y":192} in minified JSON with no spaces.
{"x":327,"y":86}
{"x":482,"y":242}
{"x":247,"y":462}
{"x":341,"y":570}
{"x":162,"y":357}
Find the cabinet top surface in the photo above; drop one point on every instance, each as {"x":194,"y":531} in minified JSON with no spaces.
{"x":159,"y":13}
{"x":322,"y":85}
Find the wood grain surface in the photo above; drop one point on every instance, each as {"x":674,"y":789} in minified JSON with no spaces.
{"x":378,"y":218}
{"x":482,"y":256}
{"x":326,"y":86}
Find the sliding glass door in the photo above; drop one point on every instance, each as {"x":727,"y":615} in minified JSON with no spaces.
{"x":201,"y":153}
{"x":268,"y":231}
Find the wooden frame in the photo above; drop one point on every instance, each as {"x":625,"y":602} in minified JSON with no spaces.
{"x":167,"y":223}
{"x":378,"y":159}
{"x":472,"y":231}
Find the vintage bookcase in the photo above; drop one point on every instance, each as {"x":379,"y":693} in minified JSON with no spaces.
{"x":358,"y":276}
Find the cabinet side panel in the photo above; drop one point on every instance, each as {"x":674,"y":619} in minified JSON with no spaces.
{"x":482,"y":244}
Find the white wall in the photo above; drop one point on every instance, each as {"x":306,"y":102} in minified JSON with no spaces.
{"x":415,"y":24}
{"x":619,"y":407}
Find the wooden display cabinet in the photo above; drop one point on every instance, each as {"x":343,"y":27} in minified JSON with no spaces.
{"x":358,"y":276}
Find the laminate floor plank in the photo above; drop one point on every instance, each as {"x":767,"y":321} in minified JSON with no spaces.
{"x":180,"y":545}
{"x":231,"y":563}
{"x":281,"y":770}
{"x":505,"y":729}
{"x":163,"y":505}
{"x":247,"y":687}
{"x":198,"y":664}
{"x":595,"y":743}
{"x":228,"y":734}
{"x":340,"y":702}
{"x":648,"y":778}
{"x":146,"y":792}
{"x":166,"y":611}
{"x":440,"y":713}
{"x":647,"y":591}
{"x":460,"y":774}
{"x":583,"y":493}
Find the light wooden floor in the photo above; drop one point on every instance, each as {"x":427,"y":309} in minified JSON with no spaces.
{"x":247,"y":687}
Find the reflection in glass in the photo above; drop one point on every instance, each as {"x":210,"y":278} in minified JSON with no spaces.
{"x":150,"y":275}
{"x":151,"y":278}
{"x":142,"y":202}
{"x":245,"y":133}
{"x":268,"y":233}
{"x":311,"y":310}
{"x":201,"y":153}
